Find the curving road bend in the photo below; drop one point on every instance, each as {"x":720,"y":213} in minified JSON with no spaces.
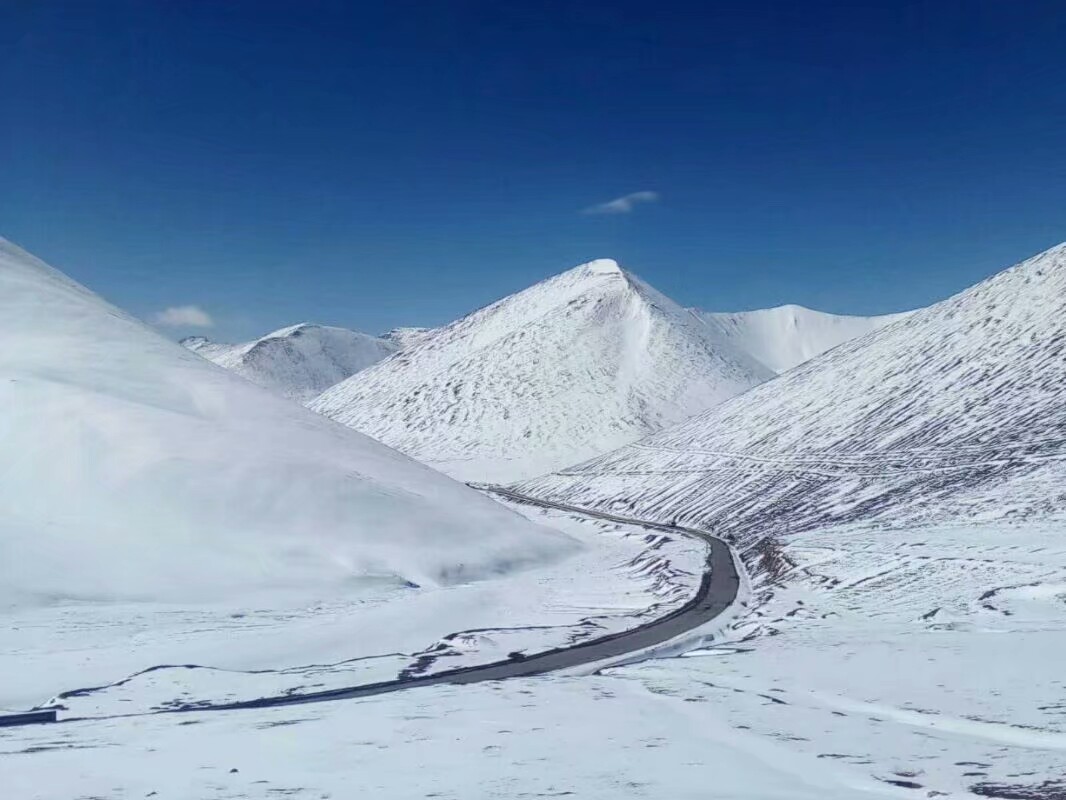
{"x":717,"y":592}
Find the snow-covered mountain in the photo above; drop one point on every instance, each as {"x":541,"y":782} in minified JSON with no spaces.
{"x":403,"y":338}
{"x":954,"y":412}
{"x":576,"y":365}
{"x":133,"y":468}
{"x":299,"y":361}
{"x":786,"y":336}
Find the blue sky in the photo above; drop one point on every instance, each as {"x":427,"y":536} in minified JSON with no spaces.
{"x":380,"y":164}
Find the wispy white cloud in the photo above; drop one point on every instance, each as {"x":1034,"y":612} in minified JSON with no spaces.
{"x":184,"y":317}
{"x":624,"y":204}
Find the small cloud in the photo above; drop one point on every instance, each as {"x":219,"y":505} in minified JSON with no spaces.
{"x":623,"y":204}
{"x":184,"y":317}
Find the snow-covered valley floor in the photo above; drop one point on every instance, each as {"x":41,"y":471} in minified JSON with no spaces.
{"x":930,"y":660}
{"x":623,"y":577}
{"x":904,"y":663}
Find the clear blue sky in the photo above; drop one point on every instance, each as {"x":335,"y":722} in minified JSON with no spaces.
{"x":377,"y":164}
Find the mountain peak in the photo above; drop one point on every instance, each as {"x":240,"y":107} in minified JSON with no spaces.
{"x":298,"y":361}
{"x":603,"y":266}
{"x":548,"y":376}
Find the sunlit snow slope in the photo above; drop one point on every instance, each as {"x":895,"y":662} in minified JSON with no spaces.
{"x":954,"y":412}
{"x":571,"y":367}
{"x":299,"y":361}
{"x":786,"y":336}
{"x":133,"y":468}
{"x":402,"y":338}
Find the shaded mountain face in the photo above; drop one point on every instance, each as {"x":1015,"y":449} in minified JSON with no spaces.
{"x":571,"y":367}
{"x":786,"y":336}
{"x":132,"y":468}
{"x":300,"y":361}
{"x":953,"y":412}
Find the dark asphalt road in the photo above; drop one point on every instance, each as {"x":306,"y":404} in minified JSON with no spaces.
{"x":717,"y":591}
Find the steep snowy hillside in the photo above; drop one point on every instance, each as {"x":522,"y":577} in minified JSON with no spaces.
{"x":299,"y":361}
{"x":132,"y":468}
{"x":571,"y":367}
{"x":954,"y":412}
{"x":786,"y":336}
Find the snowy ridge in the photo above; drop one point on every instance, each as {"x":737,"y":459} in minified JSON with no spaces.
{"x":299,"y":361}
{"x":403,"y":338}
{"x":953,"y":412}
{"x":571,"y":367}
{"x":786,"y":336}
{"x":132,"y":468}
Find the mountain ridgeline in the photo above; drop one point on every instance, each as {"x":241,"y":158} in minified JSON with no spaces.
{"x":300,"y":361}
{"x":574,"y":366}
{"x":953,"y":412}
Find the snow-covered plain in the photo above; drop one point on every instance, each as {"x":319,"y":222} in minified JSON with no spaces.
{"x":929,"y":657}
{"x":573,"y":366}
{"x":134,"y":470}
{"x":786,"y":336}
{"x":924,"y":664}
{"x":299,"y":361}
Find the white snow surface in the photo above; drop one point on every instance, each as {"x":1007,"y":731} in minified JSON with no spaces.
{"x":147,"y":656}
{"x":133,"y":469}
{"x":403,"y":338}
{"x":927,"y":664}
{"x":299,"y":361}
{"x":903,"y":636}
{"x":786,"y":336}
{"x":927,"y":661}
{"x":954,"y":412}
{"x":571,"y":367}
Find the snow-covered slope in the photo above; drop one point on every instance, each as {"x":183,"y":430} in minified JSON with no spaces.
{"x":786,"y":336}
{"x":299,"y":361}
{"x":132,"y":468}
{"x":571,"y":367}
{"x":955,"y":412}
{"x":402,"y":338}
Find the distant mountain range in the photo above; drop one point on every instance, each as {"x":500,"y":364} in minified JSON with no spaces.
{"x":575,"y":365}
{"x":302,"y":361}
{"x":299,"y":361}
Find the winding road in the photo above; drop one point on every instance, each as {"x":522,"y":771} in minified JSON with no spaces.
{"x":716,"y":593}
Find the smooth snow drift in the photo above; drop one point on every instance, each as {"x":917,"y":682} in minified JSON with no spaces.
{"x":299,"y":361}
{"x":571,"y":367}
{"x":132,"y":468}
{"x":954,"y":412}
{"x":786,"y":336}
